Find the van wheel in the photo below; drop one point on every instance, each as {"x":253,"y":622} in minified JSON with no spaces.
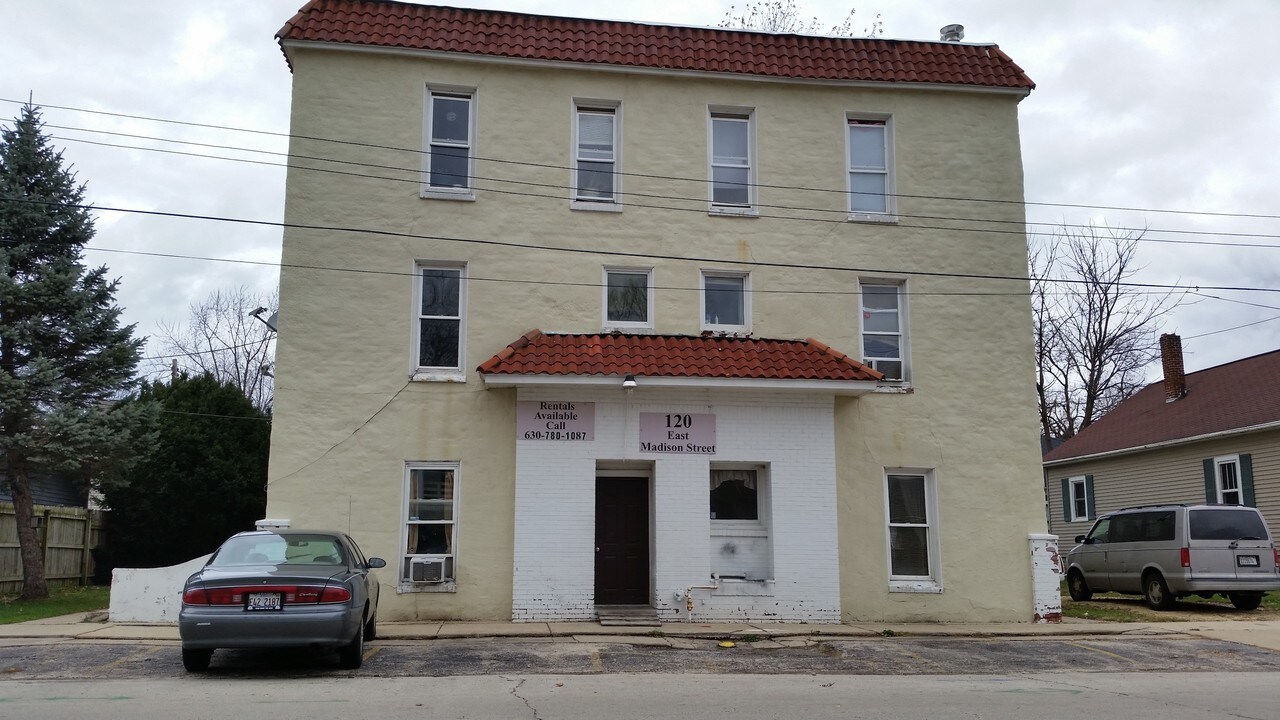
{"x":1156,"y":592}
{"x":1245,"y":601}
{"x":1076,"y":585}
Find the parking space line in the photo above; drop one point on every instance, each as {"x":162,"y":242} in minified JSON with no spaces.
{"x":596,"y":664}
{"x":1101,"y":652}
{"x":372,"y":651}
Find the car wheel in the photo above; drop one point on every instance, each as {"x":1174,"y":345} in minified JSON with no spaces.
{"x":371,"y":628}
{"x":351,"y":655}
{"x":1076,"y":585}
{"x":196,"y":660}
{"x":1245,"y":601}
{"x":1156,"y":591}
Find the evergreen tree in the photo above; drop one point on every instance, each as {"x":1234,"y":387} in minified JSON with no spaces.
{"x":63,"y":354}
{"x":202,"y":479}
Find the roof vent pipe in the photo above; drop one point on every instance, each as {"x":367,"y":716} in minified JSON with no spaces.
{"x":952,"y":33}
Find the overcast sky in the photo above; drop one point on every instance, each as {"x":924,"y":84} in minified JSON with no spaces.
{"x":1154,"y":106}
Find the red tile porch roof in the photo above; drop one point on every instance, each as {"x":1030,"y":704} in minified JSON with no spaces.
{"x":616,"y":354}
{"x":1240,"y":394}
{"x":716,"y":50}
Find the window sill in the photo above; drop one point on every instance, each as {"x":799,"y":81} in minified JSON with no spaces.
{"x":443,"y":194}
{"x":915,"y":586}
{"x":595,"y":206}
{"x":866,"y":217}
{"x":449,"y":586}
{"x":896,"y":388}
{"x":617,"y":328}
{"x":726,"y":330}
{"x":730,"y":211}
{"x":457,"y":376}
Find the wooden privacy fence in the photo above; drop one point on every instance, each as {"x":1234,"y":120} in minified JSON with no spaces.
{"x":67,"y":536}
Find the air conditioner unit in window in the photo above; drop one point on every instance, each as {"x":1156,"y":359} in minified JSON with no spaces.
{"x":426,"y":569}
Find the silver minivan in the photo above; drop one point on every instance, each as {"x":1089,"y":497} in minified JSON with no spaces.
{"x":1164,"y":552}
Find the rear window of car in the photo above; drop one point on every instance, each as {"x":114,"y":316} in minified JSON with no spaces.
{"x":279,"y":550}
{"x":1226,"y":525}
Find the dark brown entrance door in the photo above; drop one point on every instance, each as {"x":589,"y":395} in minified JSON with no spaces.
{"x":622,"y":541}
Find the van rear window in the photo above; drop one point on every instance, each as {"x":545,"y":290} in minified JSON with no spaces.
{"x":1226,"y":525}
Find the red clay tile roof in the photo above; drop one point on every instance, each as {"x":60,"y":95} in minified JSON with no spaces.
{"x":537,"y":353}
{"x":718,"y":50}
{"x":1239,"y":394}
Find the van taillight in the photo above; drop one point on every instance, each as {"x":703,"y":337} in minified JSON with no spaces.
{"x":1186,"y":557}
{"x":1277,"y":553}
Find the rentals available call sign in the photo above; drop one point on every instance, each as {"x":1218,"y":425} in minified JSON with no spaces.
{"x":555,"y":420}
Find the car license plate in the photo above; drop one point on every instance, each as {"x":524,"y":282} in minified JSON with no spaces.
{"x":1247,"y":560}
{"x":263,"y":601}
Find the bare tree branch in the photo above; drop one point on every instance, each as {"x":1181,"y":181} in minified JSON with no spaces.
{"x":1094,"y":336}
{"x":224,"y":339}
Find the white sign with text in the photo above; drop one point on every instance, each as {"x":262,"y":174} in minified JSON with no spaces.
{"x":555,"y":420}
{"x":678,"y":433}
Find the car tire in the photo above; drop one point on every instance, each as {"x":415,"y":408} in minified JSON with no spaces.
{"x":351,"y":655}
{"x":196,"y":660}
{"x":1077,"y":587}
{"x":1156,"y":591}
{"x":1245,"y":601}
{"x":371,"y":628}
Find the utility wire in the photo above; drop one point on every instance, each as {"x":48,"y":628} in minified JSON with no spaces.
{"x":596,"y":251}
{"x":290,"y":136}
{"x":565,"y":188}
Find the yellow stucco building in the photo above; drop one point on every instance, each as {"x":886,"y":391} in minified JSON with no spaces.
{"x":729,"y":325}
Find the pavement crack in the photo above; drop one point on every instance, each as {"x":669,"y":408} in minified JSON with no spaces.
{"x":515,"y":691}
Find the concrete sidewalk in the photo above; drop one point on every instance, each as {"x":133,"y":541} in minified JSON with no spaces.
{"x":1262,"y":634}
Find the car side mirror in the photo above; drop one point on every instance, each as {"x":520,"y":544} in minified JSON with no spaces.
{"x":375,"y":562}
{"x":1082,"y":540}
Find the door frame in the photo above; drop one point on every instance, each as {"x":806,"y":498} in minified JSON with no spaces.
{"x":644,"y":471}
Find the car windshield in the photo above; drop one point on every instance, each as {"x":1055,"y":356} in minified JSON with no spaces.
{"x":272,"y":549}
{"x":1226,"y":524}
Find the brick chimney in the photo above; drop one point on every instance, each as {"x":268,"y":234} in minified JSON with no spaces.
{"x":1175,"y":380}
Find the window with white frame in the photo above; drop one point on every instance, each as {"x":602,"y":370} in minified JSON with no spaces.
{"x":595,"y":159}
{"x":739,"y":501}
{"x":1227,"y":472}
{"x":726,"y":302}
{"x":430,"y":526}
{"x":441,"y":307}
{"x":883,"y":329}
{"x":628,"y":298}
{"x":871,"y":194}
{"x":732,"y":170}
{"x":1078,"y":489}
{"x":450,"y":129}
{"x":911,"y":507}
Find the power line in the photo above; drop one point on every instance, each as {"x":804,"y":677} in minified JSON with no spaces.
{"x":1024,"y":227}
{"x":609,"y":253}
{"x":289,"y":136}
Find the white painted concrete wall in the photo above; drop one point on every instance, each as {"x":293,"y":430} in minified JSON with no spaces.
{"x":555,"y":507}
{"x":150,"y":595}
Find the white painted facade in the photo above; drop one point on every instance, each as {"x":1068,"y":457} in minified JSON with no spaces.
{"x":789,"y":436}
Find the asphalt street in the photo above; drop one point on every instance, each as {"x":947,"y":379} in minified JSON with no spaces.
{"x":34,"y":659}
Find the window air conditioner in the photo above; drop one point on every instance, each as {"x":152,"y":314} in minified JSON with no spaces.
{"x":426,"y":569}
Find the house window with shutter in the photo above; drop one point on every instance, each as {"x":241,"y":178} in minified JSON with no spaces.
{"x":1228,"y":479}
{"x":1077,"y":499}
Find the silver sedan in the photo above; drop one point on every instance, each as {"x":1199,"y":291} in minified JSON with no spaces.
{"x":277,"y":589}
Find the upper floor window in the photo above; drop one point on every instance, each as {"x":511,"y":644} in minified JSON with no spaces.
{"x":595,"y":159}
{"x":871,"y":192}
{"x":732,"y":167}
{"x":725,"y":302}
{"x":450,"y":131}
{"x":883,"y":330}
{"x":628,"y":298}
{"x":441,"y":310}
